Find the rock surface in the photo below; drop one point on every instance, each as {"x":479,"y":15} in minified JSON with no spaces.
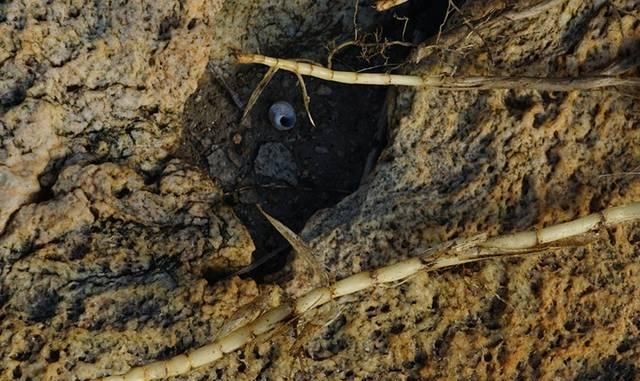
{"x":459,"y":163}
{"x":106,"y":244}
{"x":274,"y":161}
{"x":113,"y":264}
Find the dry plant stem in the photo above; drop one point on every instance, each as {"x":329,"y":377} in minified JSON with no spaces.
{"x":220,"y":76}
{"x":533,"y":11}
{"x":258,"y":90}
{"x":383,"y":5}
{"x":306,"y":101}
{"x":441,"y":82}
{"x":472,"y":250}
{"x":503,"y":16}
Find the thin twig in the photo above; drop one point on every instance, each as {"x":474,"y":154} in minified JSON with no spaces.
{"x":306,"y":100}
{"x":450,"y":254}
{"x":442,"y":82}
{"x":505,"y":16}
{"x":259,"y":89}
{"x":472,"y":29}
{"x":220,"y":76}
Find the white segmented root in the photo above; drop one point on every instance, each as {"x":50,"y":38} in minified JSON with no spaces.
{"x":441,"y":82}
{"x":472,"y":250}
{"x":305,"y":68}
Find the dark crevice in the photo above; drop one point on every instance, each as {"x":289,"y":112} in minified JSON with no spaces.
{"x":610,"y":369}
{"x":325,"y":163}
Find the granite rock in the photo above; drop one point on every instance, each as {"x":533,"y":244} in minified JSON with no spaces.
{"x":462,"y":163}
{"x":110,"y":249}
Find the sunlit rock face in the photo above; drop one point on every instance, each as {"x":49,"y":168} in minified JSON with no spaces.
{"x":462,"y":163}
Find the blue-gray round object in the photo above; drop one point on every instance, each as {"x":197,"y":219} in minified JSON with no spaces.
{"x":282,"y":115}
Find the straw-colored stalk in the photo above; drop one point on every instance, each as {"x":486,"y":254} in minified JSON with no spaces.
{"x":449,"y":255}
{"x":383,"y":5}
{"x":441,"y":82}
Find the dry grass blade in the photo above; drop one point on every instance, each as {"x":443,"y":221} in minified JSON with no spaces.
{"x":220,"y":76}
{"x":307,"y":328}
{"x":384,"y":5}
{"x":476,"y":249}
{"x":300,"y":247}
{"x":244,"y":315}
{"x":258,"y":90}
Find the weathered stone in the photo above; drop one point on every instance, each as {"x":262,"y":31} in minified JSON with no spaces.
{"x":460,"y":163}
{"x":107,"y":246}
{"x":110,"y":261}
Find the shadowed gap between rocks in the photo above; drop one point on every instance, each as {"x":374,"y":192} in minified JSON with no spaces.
{"x":292,"y":174}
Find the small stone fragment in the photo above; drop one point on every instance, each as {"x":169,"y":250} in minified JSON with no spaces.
{"x":324,"y":90}
{"x":221,"y":167}
{"x":275,"y":161}
{"x":321,"y":150}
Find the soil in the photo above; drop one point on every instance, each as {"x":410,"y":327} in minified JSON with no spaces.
{"x":330,"y":158}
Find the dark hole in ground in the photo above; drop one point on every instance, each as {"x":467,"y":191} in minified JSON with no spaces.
{"x":294,"y":173}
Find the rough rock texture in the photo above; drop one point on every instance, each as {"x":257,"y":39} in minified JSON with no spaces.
{"x":459,"y":163}
{"x":74,"y":77}
{"x":105,"y":244}
{"x":112,"y":264}
{"x":95,"y":81}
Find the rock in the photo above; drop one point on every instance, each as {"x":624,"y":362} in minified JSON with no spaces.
{"x":111,"y":250}
{"x":276,"y":162}
{"x":460,"y":163}
{"x":111,"y":253}
{"x":321,"y":150}
{"x":72,"y":78}
{"x":221,"y":167}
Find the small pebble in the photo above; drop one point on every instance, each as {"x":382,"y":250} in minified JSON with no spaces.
{"x":275,"y":161}
{"x":324,"y":90}
{"x":321,"y":150}
{"x":221,"y":167}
